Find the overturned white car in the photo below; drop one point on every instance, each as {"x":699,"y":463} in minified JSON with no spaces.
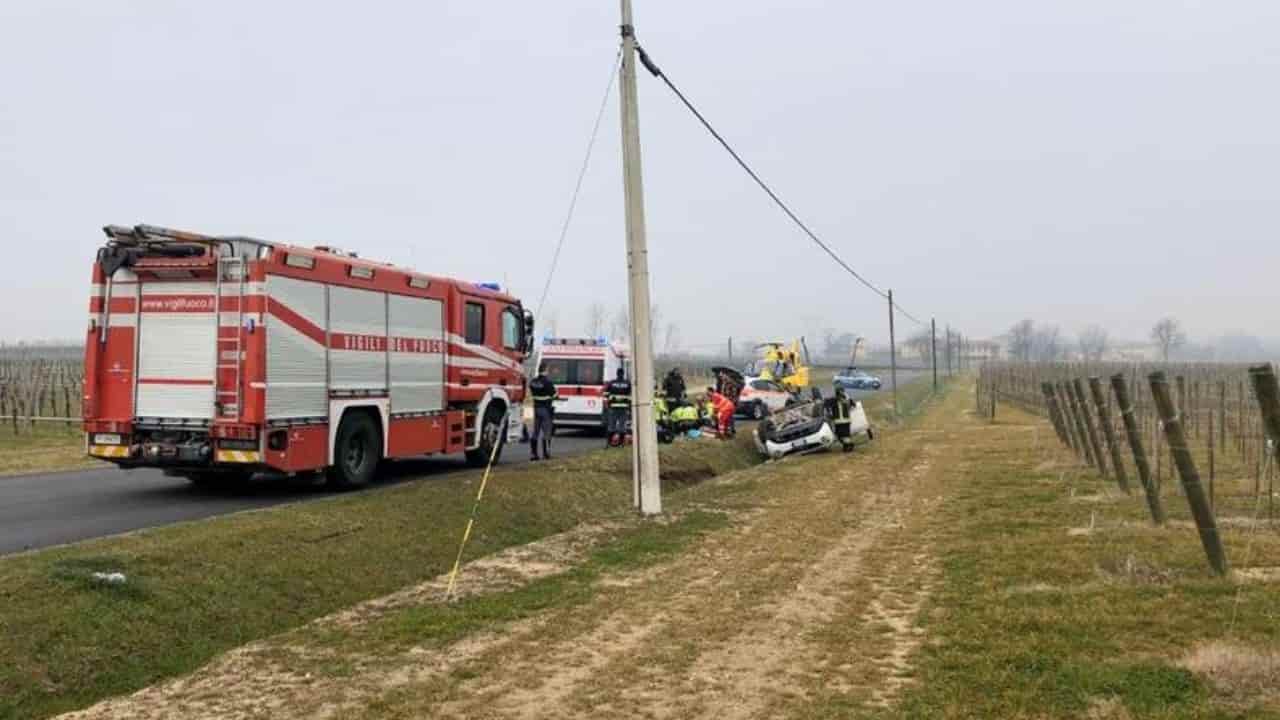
{"x":807,"y":428}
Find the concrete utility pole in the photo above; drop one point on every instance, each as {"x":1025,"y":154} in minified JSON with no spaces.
{"x":893,"y":356}
{"x":648,"y":490}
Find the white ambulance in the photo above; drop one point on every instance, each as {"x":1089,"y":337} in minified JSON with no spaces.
{"x":580,"y":367}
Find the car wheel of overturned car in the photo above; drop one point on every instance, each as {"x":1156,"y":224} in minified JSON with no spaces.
{"x":357,"y":451}
{"x":759,"y":411}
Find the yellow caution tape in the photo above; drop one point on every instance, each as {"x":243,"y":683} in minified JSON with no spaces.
{"x":466,"y":534}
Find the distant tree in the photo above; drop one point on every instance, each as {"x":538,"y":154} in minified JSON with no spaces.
{"x":1046,"y":344}
{"x":1168,"y":336}
{"x":596,"y":319}
{"x":921,"y":345}
{"x":838,"y":346}
{"x":671,"y":338}
{"x":1093,"y":342}
{"x":655,"y":325}
{"x":620,"y":327}
{"x":744,"y":351}
{"x":1022,"y":338}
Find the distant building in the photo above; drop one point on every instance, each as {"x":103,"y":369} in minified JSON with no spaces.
{"x":1132,"y":352}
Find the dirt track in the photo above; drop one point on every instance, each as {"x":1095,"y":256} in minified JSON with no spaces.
{"x":806,"y":604}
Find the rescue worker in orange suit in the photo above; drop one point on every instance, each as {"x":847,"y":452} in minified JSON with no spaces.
{"x":617,"y":402}
{"x":722,"y":411}
{"x":544,"y":397}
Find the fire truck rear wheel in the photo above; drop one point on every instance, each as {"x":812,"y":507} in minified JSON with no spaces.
{"x":357,"y":451}
{"x":490,"y":433}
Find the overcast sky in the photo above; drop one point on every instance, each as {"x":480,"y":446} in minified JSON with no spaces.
{"x":1074,"y":162}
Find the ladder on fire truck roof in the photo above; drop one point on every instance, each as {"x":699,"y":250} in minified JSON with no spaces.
{"x":228,"y":349}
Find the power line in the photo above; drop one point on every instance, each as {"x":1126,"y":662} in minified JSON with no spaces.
{"x":577,"y":188}
{"x":653,"y":69}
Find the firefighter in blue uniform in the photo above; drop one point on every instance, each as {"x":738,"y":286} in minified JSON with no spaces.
{"x":617,"y":402}
{"x":544,"y":397}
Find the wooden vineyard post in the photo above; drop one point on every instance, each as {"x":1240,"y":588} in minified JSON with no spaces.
{"x":1159,"y":453}
{"x":1206,"y":525}
{"x":1108,"y":433}
{"x":1121,"y":390}
{"x":1222,"y":414}
{"x":1195,"y":408}
{"x":1267,"y":391}
{"x":1181,"y":380}
{"x":1094,"y":445}
{"x":1081,"y":435}
{"x":1213,"y":470}
{"x":1051,"y":404}
{"x":1240,"y":419}
{"x":1063,"y":409}
{"x":1055,"y":417}
{"x":994,"y":392}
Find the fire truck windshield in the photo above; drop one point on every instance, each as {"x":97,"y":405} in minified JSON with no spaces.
{"x":566,"y":371}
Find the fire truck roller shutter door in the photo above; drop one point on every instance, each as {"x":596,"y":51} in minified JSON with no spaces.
{"x":177,"y":336}
{"x":295,"y":349}
{"x":417,"y":354}
{"x":357,"y":339}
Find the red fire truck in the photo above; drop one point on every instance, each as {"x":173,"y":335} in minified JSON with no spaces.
{"x":218,"y":357}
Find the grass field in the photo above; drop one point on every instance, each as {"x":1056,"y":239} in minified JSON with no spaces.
{"x":1059,"y":598}
{"x":197,"y":589}
{"x":956,"y":568}
{"x":47,"y":446}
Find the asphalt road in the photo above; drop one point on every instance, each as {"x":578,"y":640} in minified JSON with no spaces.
{"x":54,"y":508}
{"x":904,"y":377}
